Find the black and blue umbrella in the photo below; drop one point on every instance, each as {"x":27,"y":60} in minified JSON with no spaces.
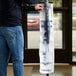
{"x":46,"y":49}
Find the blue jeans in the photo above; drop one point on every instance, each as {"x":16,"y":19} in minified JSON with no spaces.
{"x":11,"y":43}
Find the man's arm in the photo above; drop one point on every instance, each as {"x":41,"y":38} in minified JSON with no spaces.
{"x":28,"y":1}
{"x":37,"y":6}
{"x":31,"y":1}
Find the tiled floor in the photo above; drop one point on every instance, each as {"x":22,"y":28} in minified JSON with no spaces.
{"x":60,"y":70}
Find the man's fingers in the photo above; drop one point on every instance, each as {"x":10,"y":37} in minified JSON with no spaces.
{"x":39,"y":7}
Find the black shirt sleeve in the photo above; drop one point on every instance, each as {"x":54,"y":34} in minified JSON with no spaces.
{"x":32,"y":1}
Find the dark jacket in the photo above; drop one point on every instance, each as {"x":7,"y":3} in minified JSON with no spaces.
{"x":10,"y":11}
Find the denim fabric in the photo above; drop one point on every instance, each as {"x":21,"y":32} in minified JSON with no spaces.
{"x":11,"y":43}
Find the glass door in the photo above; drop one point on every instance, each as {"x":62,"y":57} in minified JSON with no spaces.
{"x":62,"y":37}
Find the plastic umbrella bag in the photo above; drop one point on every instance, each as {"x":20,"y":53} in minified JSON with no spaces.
{"x":46,"y":48}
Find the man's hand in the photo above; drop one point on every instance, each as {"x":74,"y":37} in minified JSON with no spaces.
{"x":39,"y":7}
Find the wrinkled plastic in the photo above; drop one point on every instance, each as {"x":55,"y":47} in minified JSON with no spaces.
{"x":46,"y":49}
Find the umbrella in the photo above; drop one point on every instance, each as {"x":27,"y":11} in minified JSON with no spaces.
{"x":46,"y":49}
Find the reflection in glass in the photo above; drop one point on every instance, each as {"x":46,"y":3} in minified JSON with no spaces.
{"x":58,"y":30}
{"x":33,"y":30}
{"x":57,"y":3}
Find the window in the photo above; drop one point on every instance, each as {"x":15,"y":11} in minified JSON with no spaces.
{"x":63,"y":33}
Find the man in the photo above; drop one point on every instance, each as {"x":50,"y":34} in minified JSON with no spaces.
{"x":11,"y":35}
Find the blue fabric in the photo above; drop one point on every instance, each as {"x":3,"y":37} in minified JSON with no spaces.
{"x":11,"y":43}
